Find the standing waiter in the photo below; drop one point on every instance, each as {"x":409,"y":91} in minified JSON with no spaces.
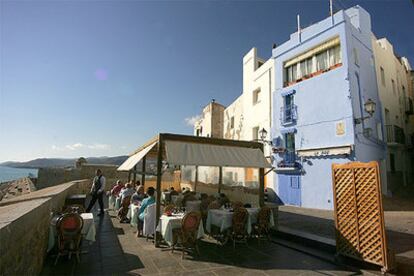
{"x":97,"y":191}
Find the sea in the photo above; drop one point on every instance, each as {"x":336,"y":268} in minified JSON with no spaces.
{"x":9,"y":173}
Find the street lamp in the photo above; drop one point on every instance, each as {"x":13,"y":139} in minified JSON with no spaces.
{"x":369,"y":107}
{"x":263,"y":134}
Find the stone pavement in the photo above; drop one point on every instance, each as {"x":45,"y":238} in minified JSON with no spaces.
{"x":118,"y":252}
{"x":319,"y":225}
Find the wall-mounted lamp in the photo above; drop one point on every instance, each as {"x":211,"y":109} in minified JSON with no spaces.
{"x":369,"y":107}
{"x":262,"y":137}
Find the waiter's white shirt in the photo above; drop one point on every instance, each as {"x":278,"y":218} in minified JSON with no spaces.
{"x":103,"y":181}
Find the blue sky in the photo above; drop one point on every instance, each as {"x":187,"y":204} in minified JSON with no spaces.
{"x":99,"y":78}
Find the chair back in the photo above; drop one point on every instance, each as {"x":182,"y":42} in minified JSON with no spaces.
{"x":149,"y":220}
{"x":69,"y":225}
{"x":191,"y":222}
{"x":239,"y":220}
{"x":126,"y":201}
{"x":214,"y":205}
{"x":263,"y":217}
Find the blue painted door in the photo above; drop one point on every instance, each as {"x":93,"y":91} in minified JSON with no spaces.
{"x":289,"y":189}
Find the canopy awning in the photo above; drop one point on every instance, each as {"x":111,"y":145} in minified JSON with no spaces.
{"x":288,"y":92}
{"x":134,"y":159}
{"x":286,"y":130}
{"x":346,"y":150}
{"x":197,"y":154}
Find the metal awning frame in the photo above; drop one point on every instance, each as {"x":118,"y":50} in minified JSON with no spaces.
{"x":159,"y":149}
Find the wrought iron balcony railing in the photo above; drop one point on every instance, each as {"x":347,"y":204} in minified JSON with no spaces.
{"x":288,"y":114}
{"x":395,"y":134}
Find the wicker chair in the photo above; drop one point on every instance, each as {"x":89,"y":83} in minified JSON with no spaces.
{"x":239,"y":220}
{"x":187,"y":234}
{"x":262,"y":227}
{"x":123,"y":211}
{"x":169,"y":208}
{"x":69,"y":228}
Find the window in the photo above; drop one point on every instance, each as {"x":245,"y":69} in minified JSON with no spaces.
{"x":313,"y":61}
{"x":392,"y":162}
{"x":232,"y":122}
{"x":256,"y":96}
{"x":379,"y":131}
{"x":322,"y":61}
{"x":387,"y":116}
{"x":290,"y":142}
{"x":199,"y":131}
{"x":255,"y":132}
{"x":382,"y":76}
{"x":259,"y":63}
{"x":393,"y":86}
{"x":290,"y":148}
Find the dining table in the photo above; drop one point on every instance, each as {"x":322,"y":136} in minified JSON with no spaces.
{"x":88,"y":231}
{"x":168,"y":223}
{"x":222,"y":218}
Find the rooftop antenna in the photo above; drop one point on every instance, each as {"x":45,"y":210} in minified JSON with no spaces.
{"x":298,"y":20}
{"x":331,"y":11}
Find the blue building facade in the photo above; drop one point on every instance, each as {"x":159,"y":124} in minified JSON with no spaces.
{"x":325,"y":83}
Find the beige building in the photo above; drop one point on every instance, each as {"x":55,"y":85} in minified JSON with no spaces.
{"x":395,"y":89}
{"x":244,"y":118}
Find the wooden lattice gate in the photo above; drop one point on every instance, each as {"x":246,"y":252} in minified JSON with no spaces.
{"x":359,"y":217}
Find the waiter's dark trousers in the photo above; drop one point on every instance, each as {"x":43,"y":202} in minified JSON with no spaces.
{"x":99,"y":197}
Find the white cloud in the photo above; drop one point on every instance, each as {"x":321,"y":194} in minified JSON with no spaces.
{"x":99,"y":146}
{"x":190,"y":121}
{"x":79,"y":146}
{"x":74,"y":146}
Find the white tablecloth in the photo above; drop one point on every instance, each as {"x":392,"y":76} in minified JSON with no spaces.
{"x":117,"y":203}
{"x":88,"y":230}
{"x":133,"y":214}
{"x":223,"y":219}
{"x":167,"y":224}
{"x":111,"y":201}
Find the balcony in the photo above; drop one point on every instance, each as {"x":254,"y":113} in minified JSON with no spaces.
{"x":395,"y":134}
{"x":288,"y":163}
{"x":288,"y":114}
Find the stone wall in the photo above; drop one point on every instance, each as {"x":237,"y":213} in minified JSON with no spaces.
{"x":48,"y":177}
{"x":24,"y":227}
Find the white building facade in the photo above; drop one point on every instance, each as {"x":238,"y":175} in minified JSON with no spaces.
{"x":395,"y":89}
{"x":246,"y":116}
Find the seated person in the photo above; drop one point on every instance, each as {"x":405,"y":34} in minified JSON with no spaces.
{"x":126,"y":191}
{"x":223,"y":199}
{"x":147,"y":201}
{"x":117,"y":188}
{"x":173,"y":191}
{"x":138,"y":196}
{"x":144,"y":204}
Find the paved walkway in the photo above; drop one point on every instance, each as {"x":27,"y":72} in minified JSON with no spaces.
{"x":319,"y":225}
{"x":118,"y":252}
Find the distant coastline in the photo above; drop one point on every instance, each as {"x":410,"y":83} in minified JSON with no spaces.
{"x":9,"y":173}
